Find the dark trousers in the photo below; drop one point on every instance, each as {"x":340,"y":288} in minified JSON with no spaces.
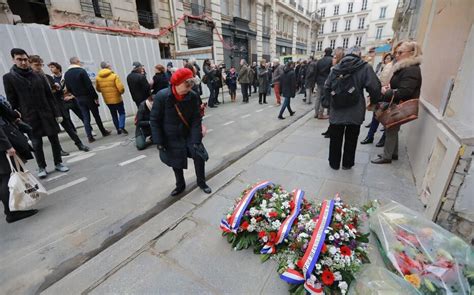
{"x":255,"y":87}
{"x":117,"y":111}
{"x":262,"y":97}
{"x":71,"y":131}
{"x":216,"y":95}
{"x":212,"y":100}
{"x":37,"y":142}
{"x":244,"y":87}
{"x":338,"y":133}
{"x":5,"y":192}
{"x":200,"y":174}
{"x":73,"y":105}
{"x":88,"y":106}
{"x":285,"y":105}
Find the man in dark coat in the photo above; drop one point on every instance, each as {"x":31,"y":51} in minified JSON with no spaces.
{"x":287,"y":88}
{"x":323,"y":67}
{"x":346,"y":119}
{"x":78,"y":83}
{"x":310,"y":80}
{"x":175,"y":121}
{"x":7,"y":121}
{"x":138,"y":84}
{"x":30,"y":95}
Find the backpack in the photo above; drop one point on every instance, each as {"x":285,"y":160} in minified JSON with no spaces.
{"x":344,"y":91}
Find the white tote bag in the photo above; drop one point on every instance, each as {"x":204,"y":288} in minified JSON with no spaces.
{"x":25,"y":190}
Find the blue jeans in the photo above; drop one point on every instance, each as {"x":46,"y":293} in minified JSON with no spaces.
{"x":373,"y":128}
{"x":117,"y":109}
{"x":285,"y":105}
{"x":88,"y":106}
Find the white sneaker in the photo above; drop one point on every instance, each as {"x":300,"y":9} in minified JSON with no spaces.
{"x":61,"y":168}
{"x":42,"y":173}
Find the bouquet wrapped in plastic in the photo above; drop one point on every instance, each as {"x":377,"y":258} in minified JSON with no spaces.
{"x":374,"y":280}
{"x":432,"y":259}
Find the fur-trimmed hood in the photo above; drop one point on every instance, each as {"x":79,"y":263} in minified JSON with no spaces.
{"x":408,"y":62}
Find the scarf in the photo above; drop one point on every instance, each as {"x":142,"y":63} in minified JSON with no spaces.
{"x":176,"y":95}
{"x":149,"y":104}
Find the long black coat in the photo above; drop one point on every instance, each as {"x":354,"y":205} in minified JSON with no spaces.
{"x":406,"y":81}
{"x":168,"y":129}
{"x":160,"y":81}
{"x":323,"y":67}
{"x":288,"y":82}
{"x":138,"y":86}
{"x":31,"y":95}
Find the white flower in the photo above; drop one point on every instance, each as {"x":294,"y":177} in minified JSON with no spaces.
{"x":337,"y":276}
{"x":286,"y":204}
{"x":276,"y":224}
{"x":263,"y":204}
{"x":336,"y":236}
{"x":346,"y":227}
{"x":283,"y":215}
{"x":332,"y":250}
{"x":341,"y":232}
{"x":253,"y":211}
{"x":338,"y":217}
{"x":253,"y":220}
{"x":265,"y":239}
{"x":343,"y":286}
{"x":312,"y":279}
{"x":331,"y":238}
{"x":318,"y":266}
{"x":250,"y":228}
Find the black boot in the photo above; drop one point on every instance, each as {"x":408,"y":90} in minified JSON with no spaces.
{"x":381,"y":142}
{"x":367,"y":141}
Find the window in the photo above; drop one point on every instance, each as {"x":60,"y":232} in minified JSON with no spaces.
{"x":336,"y":10}
{"x":225,"y":7}
{"x":350,"y":5}
{"x":358,"y":41}
{"x":332,"y":44}
{"x":334,"y":27}
{"x":321,"y":29}
{"x":364,"y":5}
{"x":378,"y":35}
{"x":348,"y":25}
{"x":345,"y":42}
{"x":319,"y":46}
{"x":383,"y":10}
{"x":361,"y":22}
{"x":323,"y":12}
{"x":237,"y":8}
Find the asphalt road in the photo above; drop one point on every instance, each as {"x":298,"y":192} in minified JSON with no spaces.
{"x":112,"y":190}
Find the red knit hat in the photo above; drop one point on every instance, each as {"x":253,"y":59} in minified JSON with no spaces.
{"x":181,"y":75}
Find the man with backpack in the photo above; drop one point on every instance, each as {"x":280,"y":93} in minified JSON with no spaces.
{"x":345,"y":90}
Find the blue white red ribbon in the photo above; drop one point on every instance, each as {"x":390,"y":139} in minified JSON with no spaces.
{"x":285,"y":227}
{"x":233,"y":223}
{"x":311,"y":255}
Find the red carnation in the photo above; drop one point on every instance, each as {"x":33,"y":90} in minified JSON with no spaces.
{"x":351,"y":226}
{"x":327,"y":277}
{"x":245,"y":225}
{"x":261,"y":234}
{"x":258,"y":218}
{"x":292,"y":204}
{"x":345,"y":251}
{"x":324,"y":248}
{"x":273,"y":214}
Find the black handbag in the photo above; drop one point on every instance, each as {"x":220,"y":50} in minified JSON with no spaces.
{"x":199,"y":148}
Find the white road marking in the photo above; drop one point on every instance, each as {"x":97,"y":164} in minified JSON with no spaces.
{"x":260,"y":110}
{"x":73,"y":154}
{"x":228,"y":123}
{"x":269,"y":107}
{"x":67,"y":185}
{"x":81,"y":157}
{"x":106,"y":147}
{"x":132,"y":160}
{"x":210,"y":130}
{"x":56,"y":177}
{"x":207,"y":116}
{"x":245,"y":116}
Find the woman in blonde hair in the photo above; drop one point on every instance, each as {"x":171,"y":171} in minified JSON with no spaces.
{"x":405,"y":84}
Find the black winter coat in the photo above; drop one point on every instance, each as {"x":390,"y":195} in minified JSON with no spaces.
{"x":406,"y":81}
{"x":364,"y":78}
{"x":79,"y":84}
{"x":30,"y":94}
{"x":288,"y":82}
{"x":160,"y":81}
{"x":168,"y":129}
{"x":138,"y":86}
{"x":143,"y":120}
{"x":310,"y":75}
{"x":323,"y":68}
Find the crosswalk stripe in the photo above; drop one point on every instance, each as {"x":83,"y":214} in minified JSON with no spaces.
{"x":132,"y":160}
{"x":67,"y":185}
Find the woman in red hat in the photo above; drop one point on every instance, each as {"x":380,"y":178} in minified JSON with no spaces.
{"x":176,"y":129}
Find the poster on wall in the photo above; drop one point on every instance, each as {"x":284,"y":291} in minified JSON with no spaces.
{"x":90,"y":68}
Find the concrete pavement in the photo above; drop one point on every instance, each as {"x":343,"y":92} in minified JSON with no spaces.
{"x":181,"y":250}
{"x":112,"y":190}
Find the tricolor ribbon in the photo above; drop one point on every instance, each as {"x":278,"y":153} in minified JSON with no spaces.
{"x":233,"y":223}
{"x":311,"y":255}
{"x":285,"y":227}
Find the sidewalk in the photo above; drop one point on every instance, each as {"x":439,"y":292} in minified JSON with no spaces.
{"x":182,"y":251}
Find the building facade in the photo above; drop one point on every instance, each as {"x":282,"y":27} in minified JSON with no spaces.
{"x":224,"y":30}
{"x":346,"y":23}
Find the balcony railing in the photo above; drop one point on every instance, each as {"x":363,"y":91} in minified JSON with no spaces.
{"x":147,"y":19}
{"x":99,"y":8}
{"x":197,"y":9}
